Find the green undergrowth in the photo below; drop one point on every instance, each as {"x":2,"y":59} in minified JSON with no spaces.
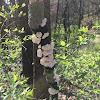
{"x":12,"y":85}
{"x":82,"y":69}
{"x":77,"y":55}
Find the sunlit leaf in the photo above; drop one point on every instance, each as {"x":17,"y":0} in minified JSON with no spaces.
{"x":24,"y":14}
{"x":15,"y":76}
{"x":22,"y":29}
{"x":21,"y":12}
{"x":80,"y":38}
{"x":83,"y":29}
{"x":15,"y":29}
{"x":1,"y":88}
{"x":33,"y":34}
{"x":12,"y":15}
{"x":17,"y":6}
{"x":22,"y":82}
{"x":6,"y":30}
{"x":62,"y":43}
{"x":2,"y":14}
{"x":3,"y":8}
{"x":23,"y":5}
{"x":25,"y":38}
{"x":10,"y":7}
{"x":29,"y":94}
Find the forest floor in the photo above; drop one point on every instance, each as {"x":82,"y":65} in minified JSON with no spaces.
{"x":70,"y":91}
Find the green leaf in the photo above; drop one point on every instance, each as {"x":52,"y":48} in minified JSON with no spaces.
{"x":22,"y":29}
{"x":17,"y":6}
{"x":62,"y":43}
{"x":21,"y":12}
{"x":12,"y":15}
{"x":82,"y":92}
{"x":3,"y":43}
{"x":24,"y":14}
{"x":83,"y":29}
{"x":94,"y":27}
{"x":29,"y":37}
{"x":77,"y":96}
{"x":33,"y":34}
{"x":98,"y":91}
{"x":68,"y":45}
{"x":84,"y":43}
{"x":1,"y":87}
{"x":11,"y":41}
{"x":22,"y":82}
{"x":15,"y":29}
{"x":6,"y":30}
{"x":80,"y":38}
{"x":91,"y":90}
{"x":25,"y":38}
{"x":3,"y":8}
{"x":23,"y":5}
{"x":0,"y":22}
{"x":2,"y":14}
{"x":29,"y":94}
{"x":15,"y":76}
{"x":10,"y":7}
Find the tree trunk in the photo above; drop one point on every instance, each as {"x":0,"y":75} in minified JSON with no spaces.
{"x":42,"y":77}
{"x":40,"y":85}
{"x":80,"y":12}
{"x":27,"y":49}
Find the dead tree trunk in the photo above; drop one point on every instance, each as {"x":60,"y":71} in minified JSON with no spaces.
{"x":42,"y":76}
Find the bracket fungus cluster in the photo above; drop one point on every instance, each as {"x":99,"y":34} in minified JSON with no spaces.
{"x":52,"y":91}
{"x":45,"y":52}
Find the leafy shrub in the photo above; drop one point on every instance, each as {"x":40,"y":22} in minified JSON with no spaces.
{"x":12,"y":86}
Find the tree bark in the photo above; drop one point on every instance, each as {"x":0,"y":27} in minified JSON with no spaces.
{"x":80,"y":12}
{"x":40,"y":85}
{"x":42,"y":77}
{"x":27,"y":49}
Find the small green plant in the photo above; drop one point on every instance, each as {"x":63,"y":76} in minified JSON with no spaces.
{"x":13,"y":87}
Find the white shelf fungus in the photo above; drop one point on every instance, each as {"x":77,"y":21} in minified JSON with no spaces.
{"x":39,"y":46}
{"x":51,"y":56}
{"x":36,"y":40}
{"x":54,"y":71}
{"x":43,"y":22}
{"x":48,"y":46}
{"x":42,"y":61}
{"x":39,"y":53}
{"x":39,"y":34}
{"x":52,"y":63}
{"x":47,"y":62}
{"x":45,"y":35}
{"x":56,"y":77}
{"x":52,"y":91}
{"x":47,"y":52}
{"x":52,"y":45}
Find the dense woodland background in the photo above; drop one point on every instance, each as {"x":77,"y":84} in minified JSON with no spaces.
{"x":75,"y":32}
